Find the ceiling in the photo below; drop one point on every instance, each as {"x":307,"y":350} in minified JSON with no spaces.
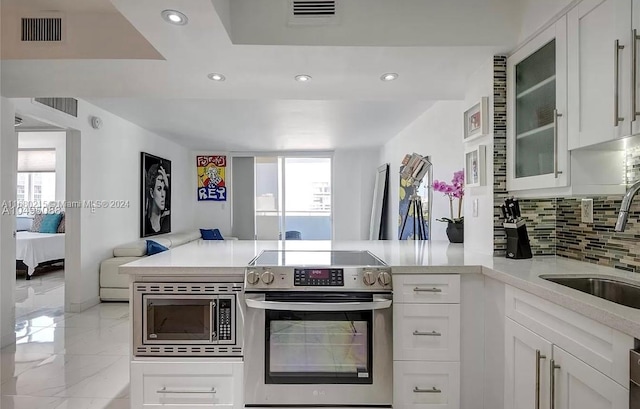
{"x":122,"y":56}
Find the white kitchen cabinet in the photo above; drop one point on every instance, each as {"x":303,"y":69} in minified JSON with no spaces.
{"x":580,"y":364}
{"x":420,"y":386}
{"x":426,"y":341}
{"x":527,"y":357}
{"x":428,"y":333}
{"x":186,"y":384}
{"x":599,"y":87}
{"x":537,"y":150}
{"x":426,"y":289}
{"x":635,"y":67}
{"x":579,"y":386}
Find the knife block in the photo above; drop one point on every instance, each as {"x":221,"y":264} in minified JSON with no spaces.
{"x":518,"y":246}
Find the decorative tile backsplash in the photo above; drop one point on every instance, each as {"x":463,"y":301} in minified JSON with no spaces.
{"x":540,"y":215}
{"x":499,"y":151}
{"x":597,"y":242}
{"x":554,"y":225}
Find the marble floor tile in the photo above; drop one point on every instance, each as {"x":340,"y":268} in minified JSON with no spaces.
{"x":93,"y":403}
{"x":56,"y":374}
{"x":29,"y":402}
{"x":65,"y":360}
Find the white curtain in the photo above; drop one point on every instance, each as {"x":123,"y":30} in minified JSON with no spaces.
{"x":36,"y":160}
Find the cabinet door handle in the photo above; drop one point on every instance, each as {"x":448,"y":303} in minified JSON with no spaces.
{"x":428,"y":334}
{"x":634,"y":75}
{"x":539,"y":357}
{"x":427,"y":290}
{"x":556,"y":115}
{"x":165,"y":390}
{"x":616,"y":81}
{"x":432,"y":390}
{"x":552,"y":375}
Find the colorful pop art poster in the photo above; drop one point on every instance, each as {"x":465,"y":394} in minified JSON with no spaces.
{"x":211,"y":178}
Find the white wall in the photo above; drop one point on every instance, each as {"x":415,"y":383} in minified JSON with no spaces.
{"x":8,"y":175}
{"x":478,"y":231}
{"x":49,"y":140}
{"x":536,"y":13}
{"x":436,"y":133}
{"x":109,"y":169}
{"x":354,"y":177}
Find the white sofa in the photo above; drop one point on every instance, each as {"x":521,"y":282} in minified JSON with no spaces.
{"x":114,"y":286}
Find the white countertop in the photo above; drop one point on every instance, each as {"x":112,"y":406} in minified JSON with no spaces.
{"x":211,"y":256}
{"x":230,"y":257}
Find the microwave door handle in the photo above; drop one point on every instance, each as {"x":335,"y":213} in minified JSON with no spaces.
{"x":377,"y":304}
{"x":212,"y":311}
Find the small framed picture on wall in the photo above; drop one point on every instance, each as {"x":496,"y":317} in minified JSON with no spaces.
{"x":475,"y":167}
{"x":476,"y":120}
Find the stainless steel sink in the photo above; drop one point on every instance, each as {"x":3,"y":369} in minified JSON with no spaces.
{"x":617,"y":291}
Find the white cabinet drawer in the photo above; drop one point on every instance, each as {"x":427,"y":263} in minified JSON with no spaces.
{"x":426,"y":288}
{"x":602,"y":347}
{"x":426,"y":332}
{"x":426,"y":385}
{"x":186,"y":384}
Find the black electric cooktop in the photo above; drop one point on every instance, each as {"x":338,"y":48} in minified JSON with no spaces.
{"x":301,"y":258}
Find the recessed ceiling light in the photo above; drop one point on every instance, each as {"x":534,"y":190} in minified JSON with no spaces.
{"x":174,"y":17}
{"x":390,"y":76}
{"x":214,"y":76}
{"x":303,"y":78}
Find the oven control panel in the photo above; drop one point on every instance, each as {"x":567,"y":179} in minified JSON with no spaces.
{"x":318,"y":277}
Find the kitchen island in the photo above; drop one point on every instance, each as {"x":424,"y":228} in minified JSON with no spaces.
{"x":231,"y":257}
{"x":478,"y":308}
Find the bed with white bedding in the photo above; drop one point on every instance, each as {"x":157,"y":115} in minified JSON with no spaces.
{"x":37,"y":248}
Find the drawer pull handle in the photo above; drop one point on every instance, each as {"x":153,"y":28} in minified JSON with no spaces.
{"x":427,"y":290}
{"x":432,"y":390}
{"x":165,"y":390}
{"x":428,"y":334}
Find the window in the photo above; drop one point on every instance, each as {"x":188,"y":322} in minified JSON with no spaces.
{"x":37,"y":188}
{"x":293,"y":194}
{"x":36,"y":176}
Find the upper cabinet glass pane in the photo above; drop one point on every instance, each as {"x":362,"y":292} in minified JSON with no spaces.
{"x":535,"y":102}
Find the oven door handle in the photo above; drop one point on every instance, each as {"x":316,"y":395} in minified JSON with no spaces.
{"x":377,"y":304}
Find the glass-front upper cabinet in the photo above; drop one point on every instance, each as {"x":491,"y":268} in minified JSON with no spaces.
{"x":537,"y":153}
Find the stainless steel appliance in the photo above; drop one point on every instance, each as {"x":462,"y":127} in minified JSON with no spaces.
{"x":187,"y":319}
{"x":634,"y":377}
{"x":318,"y":330}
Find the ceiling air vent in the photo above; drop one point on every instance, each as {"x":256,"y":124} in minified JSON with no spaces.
{"x":47,"y":29}
{"x":67,"y":105}
{"x":313,"y":12}
{"x":311,"y":8}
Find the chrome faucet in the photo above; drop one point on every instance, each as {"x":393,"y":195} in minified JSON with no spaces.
{"x":626,"y":205}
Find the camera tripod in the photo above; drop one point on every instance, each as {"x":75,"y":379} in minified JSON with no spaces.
{"x":415,"y":209}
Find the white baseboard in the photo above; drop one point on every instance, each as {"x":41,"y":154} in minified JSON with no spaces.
{"x":85,"y":305}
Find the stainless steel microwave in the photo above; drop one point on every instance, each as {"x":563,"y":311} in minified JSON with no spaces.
{"x":187,"y":319}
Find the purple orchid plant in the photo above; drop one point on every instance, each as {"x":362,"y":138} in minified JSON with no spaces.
{"x":455,"y":190}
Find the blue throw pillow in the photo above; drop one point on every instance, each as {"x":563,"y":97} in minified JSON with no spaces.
{"x":211,"y":234}
{"x":153,"y":247}
{"x":50,"y":223}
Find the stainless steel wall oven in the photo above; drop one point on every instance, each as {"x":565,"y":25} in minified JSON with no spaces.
{"x":326,"y":330}
{"x":187,"y":319}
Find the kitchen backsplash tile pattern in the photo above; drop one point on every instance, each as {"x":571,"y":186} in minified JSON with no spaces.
{"x":540,"y":215}
{"x":597,"y":242}
{"x":499,"y":151}
{"x":554,"y":225}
